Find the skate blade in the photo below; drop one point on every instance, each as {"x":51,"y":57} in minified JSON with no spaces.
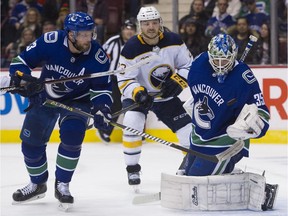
{"x":40,"y":196}
{"x":136,"y":188}
{"x":65,"y":206}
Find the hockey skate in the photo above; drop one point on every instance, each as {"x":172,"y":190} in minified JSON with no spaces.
{"x":29,"y":193}
{"x":134,"y":176}
{"x":271,"y":192}
{"x":62,"y":193}
{"x":105,"y":138}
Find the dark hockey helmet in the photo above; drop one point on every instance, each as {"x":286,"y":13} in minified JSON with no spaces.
{"x":222,"y":52}
{"x":78,"y":21}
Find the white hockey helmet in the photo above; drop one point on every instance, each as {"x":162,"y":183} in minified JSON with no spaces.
{"x":221,"y":48}
{"x":149,"y":13}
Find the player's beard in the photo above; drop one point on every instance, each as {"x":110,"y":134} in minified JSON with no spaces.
{"x":83,"y":48}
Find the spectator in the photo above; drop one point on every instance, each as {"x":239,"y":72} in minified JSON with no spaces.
{"x":234,"y":7}
{"x":241,"y":38}
{"x":19,"y":11}
{"x":63,"y":12}
{"x":209,"y":6}
{"x":222,"y":23}
{"x":32,"y":20}
{"x":100,"y":16}
{"x":192,"y":37}
{"x":15,"y":48}
{"x":198,"y":13}
{"x":264,"y":44}
{"x":50,"y":10}
{"x":255,"y":17}
{"x":48,"y":27}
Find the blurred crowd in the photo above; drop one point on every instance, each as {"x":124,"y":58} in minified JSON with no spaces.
{"x":22,"y":21}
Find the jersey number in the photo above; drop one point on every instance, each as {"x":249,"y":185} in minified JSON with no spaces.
{"x":259,"y":99}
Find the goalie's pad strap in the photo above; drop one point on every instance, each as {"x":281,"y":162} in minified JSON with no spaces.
{"x":219,"y":192}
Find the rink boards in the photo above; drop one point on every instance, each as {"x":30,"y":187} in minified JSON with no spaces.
{"x":273,"y":82}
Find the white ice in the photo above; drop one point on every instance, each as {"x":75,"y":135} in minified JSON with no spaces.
{"x":100,"y":187}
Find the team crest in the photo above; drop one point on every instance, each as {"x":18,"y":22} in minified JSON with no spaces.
{"x":159,"y":74}
{"x":101,"y":56}
{"x":203,"y":114}
{"x":249,"y":77}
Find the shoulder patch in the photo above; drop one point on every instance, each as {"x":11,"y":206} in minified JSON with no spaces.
{"x":101,"y":56}
{"x":248,"y":76}
{"x":51,"y":37}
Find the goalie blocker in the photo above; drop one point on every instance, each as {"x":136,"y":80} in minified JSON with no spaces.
{"x":219,"y":192}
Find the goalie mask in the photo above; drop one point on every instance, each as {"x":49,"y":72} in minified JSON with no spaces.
{"x":79,"y":21}
{"x":222,"y":52}
{"x":149,"y":13}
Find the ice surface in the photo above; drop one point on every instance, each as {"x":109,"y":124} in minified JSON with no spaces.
{"x":100,"y":187}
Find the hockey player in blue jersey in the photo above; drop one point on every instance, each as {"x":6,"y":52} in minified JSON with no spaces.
{"x":66,"y":53}
{"x":228,"y":107}
{"x":165,"y":76}
{"x":224,"y":92}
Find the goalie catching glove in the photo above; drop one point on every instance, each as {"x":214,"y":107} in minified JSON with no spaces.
{"x":27,"y":85}
{"x":173,"y":86}
{"x":247,"y":125}
{"x":141,"y":96}
{"x":102,"y":117}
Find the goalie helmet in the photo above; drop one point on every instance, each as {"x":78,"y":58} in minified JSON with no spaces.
{"x":78,"y":21}
{"x":222,"y":52}
{"x":149,"y":13}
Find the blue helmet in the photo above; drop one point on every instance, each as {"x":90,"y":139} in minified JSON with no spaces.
{"x":222,"y":47}
{"x":78,"y":21}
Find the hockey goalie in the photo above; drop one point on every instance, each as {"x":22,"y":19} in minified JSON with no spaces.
{"x":227,"y":108}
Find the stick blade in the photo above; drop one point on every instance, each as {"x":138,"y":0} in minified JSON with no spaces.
{"x":147,"y":198}
{"x":231,"y":151}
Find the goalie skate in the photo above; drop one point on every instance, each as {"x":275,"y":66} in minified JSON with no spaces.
{"x":271,"y":193}
{"x":29,"y":193}
{"x":63,"y":195}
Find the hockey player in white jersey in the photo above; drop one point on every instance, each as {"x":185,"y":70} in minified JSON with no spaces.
{"x":228,"y":107}
{"x":165,"y":76}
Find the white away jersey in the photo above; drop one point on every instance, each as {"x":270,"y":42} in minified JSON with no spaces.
{"x":174,"y":58}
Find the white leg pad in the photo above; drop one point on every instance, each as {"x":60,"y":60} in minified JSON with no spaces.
{"x":219,"y":192}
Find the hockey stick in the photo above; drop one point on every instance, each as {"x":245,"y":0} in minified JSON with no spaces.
{"x":94,"y":75}
{"x":133,"y":106}
{"x":234,"y":149}
{"x":252,"y":40}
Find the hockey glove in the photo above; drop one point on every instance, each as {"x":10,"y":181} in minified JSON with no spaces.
{"x":173,"y":86}
{"x":247,"y":125}
{"x":102,"y":117}
{"x":141,"y":96}
{"x":28,"y":85}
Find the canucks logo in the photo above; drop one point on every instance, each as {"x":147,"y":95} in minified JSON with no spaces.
{"x":202,"y":111}
{"x":58,"y":90}
{"x":248,"y":76}
{"x":159,"y":74}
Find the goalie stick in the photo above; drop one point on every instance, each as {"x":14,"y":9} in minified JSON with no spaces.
{"x":252,"y":40}
{"x":94,"y":75}
{"x":232,"y":150}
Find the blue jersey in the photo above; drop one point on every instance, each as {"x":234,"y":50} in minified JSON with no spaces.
{"x":52,"y":50}
{"x":217,"y":105}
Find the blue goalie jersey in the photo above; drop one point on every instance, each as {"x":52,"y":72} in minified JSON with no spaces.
{"x":217,"y":105}
{"x":52,"y":51}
